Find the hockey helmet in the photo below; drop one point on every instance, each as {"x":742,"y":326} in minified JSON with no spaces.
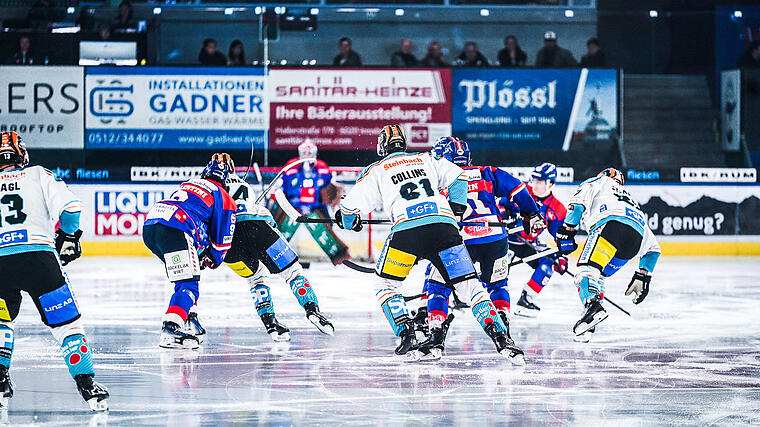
{"x":307,"y":150}
{"x":545,"y":172}
{"x":614,"y":174}
{"x":391,"y":140}
{"x":13,"y":150}
{"x":457,"y":152}
{"x":437,"y":150}
{"x":219,"y":168}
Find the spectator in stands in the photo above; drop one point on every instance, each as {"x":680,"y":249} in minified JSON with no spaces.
{"x":434,"y":57}
{"x":24,"y":56}
{"x":347,"y":56}
{"x":594,"y":56}
{"x":236,"y":54}
{"x":471,"y":56}
{"x":751,"y":58}
{"x":209,"y":55}
{"x":512,"y":55}
{"x":41,"y":15}
{"x":104,"y":32}
{"x":404,"y":56}
{"x":551,"y":55}
{"x":124,"y":20}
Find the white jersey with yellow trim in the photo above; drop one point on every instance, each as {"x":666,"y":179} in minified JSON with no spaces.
{"x":31,"y":202}
{"x":407,"y":186}
{"x":604,"y":199}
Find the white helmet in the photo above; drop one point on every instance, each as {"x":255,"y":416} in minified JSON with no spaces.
{"x":307,"y":150}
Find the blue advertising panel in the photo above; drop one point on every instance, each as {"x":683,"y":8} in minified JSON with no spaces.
{"x":533,"y":108}
{"x":173,"y":107}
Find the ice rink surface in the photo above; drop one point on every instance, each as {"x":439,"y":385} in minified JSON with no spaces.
{"x":689,"y":355}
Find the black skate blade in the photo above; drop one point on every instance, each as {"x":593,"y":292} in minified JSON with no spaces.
{"x":584,"y":327}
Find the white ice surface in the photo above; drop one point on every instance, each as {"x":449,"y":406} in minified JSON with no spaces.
{"x":689,"y":354}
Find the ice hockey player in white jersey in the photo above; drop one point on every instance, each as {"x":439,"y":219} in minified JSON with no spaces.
{"x":407,"y":186}
{"x":32,"y":200}
{"x":617,"y":233}
{"x":259,"y":253}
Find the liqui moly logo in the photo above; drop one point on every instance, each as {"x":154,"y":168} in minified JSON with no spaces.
{"x":480,"y":93}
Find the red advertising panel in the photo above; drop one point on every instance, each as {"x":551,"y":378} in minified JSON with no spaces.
{"x":343,"y":109}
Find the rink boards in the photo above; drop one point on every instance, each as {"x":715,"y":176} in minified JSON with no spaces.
{"x":688,"y":219}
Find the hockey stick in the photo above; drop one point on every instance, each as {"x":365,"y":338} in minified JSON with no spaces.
{"x":514,"y":230}
{"x":535,"y":247}
{"x":279,"y":174}
{"x":360,"y":268}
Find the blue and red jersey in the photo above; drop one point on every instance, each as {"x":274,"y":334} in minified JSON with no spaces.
{"x":553,"y":211}
{"x":484,"y":185}
{"x":202,"y":209}
{"x":302,"y":185}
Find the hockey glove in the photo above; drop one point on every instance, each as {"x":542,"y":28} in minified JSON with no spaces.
{"x":355,"y":225}
{"x":639,"y":286}
{"x":565,"y":238}
{"x":560,"y":264}
{"x":208,"y":261}
{"x":533,"y":224}
{"x":68,"y":245}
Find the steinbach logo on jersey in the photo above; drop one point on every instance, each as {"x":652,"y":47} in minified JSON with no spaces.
{"x":122,"y":213}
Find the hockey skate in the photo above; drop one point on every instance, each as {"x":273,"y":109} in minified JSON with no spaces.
{"x":421,"y":320}
{"x":585,"y":337}
{"x":408,"y":340}
{"x":95,"y":394}
{"x":275,"y":329}
{"x":193,"y":327}
{"x":172,"y":336}
{"x":6,"y":387}
{"x":318,"y":319}
{"x":594,"y":315}
{"x":525,"y":306}
{"x":432,"y":348}
{"x":505,"y":345}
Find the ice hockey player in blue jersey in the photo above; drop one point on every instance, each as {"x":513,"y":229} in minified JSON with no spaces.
{"x":617,"y":233}
{"x":189,"y":231}
{"x":540,"y":186}
{"x":259,"y":253}
{"x":486,"y":245}
{"x":31,"y":254}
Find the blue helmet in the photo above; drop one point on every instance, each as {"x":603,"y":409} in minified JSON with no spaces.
{"x":437,"y":150}
{"x":219,"y":168}
{"x":545,"y":172}
{"x":457,"y":152}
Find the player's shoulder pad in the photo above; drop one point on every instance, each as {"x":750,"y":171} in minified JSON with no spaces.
{"x":590,"y":180}
{"x":557,"y":206}
{"x":293,"y":170}
{"x":366,"y":170}
{"x":42,"y":171}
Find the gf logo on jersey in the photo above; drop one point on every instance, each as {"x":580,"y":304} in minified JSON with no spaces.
{"x":421,"y":209}
{"x":108,"y":101}
{"x":11,"y":237}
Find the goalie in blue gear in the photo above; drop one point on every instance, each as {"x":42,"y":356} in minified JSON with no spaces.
{"x":487,"y":246}
{"x":31,"y":254}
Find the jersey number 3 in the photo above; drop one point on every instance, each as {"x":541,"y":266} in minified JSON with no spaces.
{"x":409,"y":190}
{"x":15,"y":203}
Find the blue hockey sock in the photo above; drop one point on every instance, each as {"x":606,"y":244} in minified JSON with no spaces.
{"x":7,"y":337}
{"x":302,"y":290}
{"x":77,"y":355}
{"x":262,"y":299}
{"x":541,"y":275}
{"x":184,"y":297}
{"x":499,"y":294}
{"x":394,"y":308}
{"x":438,"y":301}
